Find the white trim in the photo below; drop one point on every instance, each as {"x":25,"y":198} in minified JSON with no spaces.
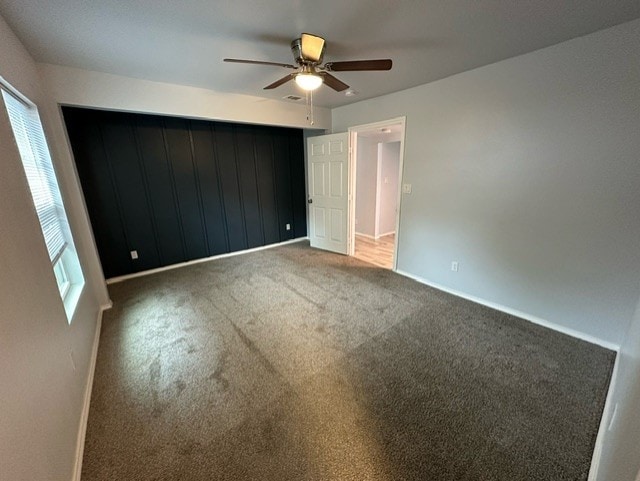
{"x":384,"y":234}
{"x":607,"y":412}
{"x":399,"y":200}
{"x":514,"y":312}
{"x":114,"y":280}
{"x":376,"y":219}
{"x":374,"y":237}
{"x":379,"y":124}
{"x":7,"y":87}
{"x":84,"y":416}
{"x":351,"y":175}
{"x":107,"y":306}
{"x":368,"y":236}
{"x":353,"y":155}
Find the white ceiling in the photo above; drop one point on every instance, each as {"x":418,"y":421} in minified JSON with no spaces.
{"x":185,"y":41}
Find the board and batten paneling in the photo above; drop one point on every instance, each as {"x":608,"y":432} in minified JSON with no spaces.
{"x":176,"y":189}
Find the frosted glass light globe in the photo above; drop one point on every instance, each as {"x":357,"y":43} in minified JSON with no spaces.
{"x":308,"y":81}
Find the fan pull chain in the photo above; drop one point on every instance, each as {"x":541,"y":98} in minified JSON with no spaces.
{"x":309,"y":94}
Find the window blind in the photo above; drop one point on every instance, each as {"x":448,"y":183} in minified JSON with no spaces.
{"x":38,"y":167}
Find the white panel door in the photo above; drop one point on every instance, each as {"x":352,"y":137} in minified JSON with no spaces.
{"x":328,"y":161}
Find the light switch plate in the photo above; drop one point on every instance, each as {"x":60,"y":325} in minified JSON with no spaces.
{"x":406,"y":188}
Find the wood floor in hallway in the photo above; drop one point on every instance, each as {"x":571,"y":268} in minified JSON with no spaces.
{"x":378,"y":252}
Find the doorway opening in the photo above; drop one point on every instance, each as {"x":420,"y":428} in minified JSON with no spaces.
{"x":375,"y":184}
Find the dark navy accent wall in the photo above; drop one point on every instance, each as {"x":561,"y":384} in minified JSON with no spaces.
{"x":176,"y":189}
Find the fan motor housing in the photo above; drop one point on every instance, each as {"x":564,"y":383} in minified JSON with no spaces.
{"x":296,"y":50}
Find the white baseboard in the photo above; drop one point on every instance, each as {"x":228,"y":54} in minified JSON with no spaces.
{"x":385,"y":234}
{"x":366,"y":235}
{"x":375,"y":237}
{"x":607,"y":412}
{"x":113,"y":280}
{"x":606,"y":419}
{"x":84,"y":416}
{"x":514,"y":312}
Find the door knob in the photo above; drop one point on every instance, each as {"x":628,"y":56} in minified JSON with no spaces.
{"x":310,"y":201}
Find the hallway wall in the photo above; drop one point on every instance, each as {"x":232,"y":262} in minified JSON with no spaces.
{"x":389,"y":159}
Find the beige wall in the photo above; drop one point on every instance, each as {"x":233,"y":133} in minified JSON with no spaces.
{"x":524,"y":171}
{"x":43,"y":389}
{"x":42,"y":394}
{"x":366,"y":180}
{"x":620,"y":440}
{"x":527,"y":173}
{"x":389,"y":159}
{"x":72,"y":86}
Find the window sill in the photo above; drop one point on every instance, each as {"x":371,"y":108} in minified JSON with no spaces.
{"x":71,"y":300}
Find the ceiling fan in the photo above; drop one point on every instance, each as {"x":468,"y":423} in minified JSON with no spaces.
{"x":308,"y":52}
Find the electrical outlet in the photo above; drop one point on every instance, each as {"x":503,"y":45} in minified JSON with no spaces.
{"x":134,"y":255}
{"x":406,"y":188}
{"x":454,"y":266}
{"x":288,"y":226}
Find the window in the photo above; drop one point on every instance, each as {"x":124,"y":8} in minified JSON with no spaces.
{"x":41,"y":177}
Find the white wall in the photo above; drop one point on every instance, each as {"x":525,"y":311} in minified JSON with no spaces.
{"x":389,"y":159}
{"x":366,"y":185}
{"x":527,"y":173}
{"x":72,"y":86}
{"x":84,"y":88}
{"x":41,"y":394}
{"x":620,"y":459}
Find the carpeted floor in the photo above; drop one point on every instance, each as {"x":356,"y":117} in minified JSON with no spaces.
{"x":296,"y":364}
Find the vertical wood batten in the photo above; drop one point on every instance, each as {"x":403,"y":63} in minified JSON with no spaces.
{"x":176,"y":189}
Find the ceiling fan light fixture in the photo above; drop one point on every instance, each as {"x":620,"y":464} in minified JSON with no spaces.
{"x":308,"y":81}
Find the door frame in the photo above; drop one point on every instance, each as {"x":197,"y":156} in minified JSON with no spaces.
{"x":353,"y":156}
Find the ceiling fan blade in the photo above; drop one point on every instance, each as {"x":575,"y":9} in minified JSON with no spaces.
{"x":312,"y":47}
{"x":334,"y":83}
{"x":258,"y":62}
{"x":277,"y":83}
{"x":359,"y":65}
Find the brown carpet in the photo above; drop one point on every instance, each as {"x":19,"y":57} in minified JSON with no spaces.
{"x":296,"y":364}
